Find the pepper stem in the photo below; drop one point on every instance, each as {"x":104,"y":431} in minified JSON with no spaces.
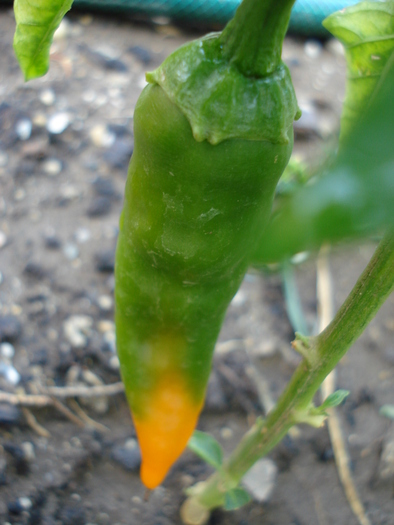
{"x":253,"y":39}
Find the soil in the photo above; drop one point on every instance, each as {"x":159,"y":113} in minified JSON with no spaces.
{"x":60,"y":199}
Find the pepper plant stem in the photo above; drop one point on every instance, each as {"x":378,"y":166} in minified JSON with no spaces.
{"x":253,"y":39}
{"x":321,"y":354}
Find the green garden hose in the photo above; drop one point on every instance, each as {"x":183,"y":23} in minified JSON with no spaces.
{"x":306,"y":18}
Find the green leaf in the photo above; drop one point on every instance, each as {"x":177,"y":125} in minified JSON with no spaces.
{"x":387,"y":411}
{"x":207,"y":448}
{"x":236,"y":498}
{"x":36,"y":22}
{"x":355,"y":198}
{"x":367,"y":32}
{"x":335,"y":399}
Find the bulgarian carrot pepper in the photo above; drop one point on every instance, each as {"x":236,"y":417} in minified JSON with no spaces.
{"x":213,"y":134}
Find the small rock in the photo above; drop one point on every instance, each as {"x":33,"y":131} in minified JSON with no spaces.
{"x":9,"y":415}
{"x":72,"y":516}
{"x":82,"y":235}
{"x":142,"y":54}
{"x":105,"y":303}
{"x":52,"y":167}
{"x":102,"y":137}
{"x":10,"y":373}
{"x":128,"y":455}
{"x":28,"y":449}
{"x":77,"y":329}
{"x":71,"y":251}
{"x":386,"y":465}
{"x":47,"y":97}
{"x":52,"y":242}
{"x":63,"y":30}
{"x":260,"y":480}
{"x":226,"y":433}
{"x":118,"y":155}
{"x":114,"y":363}
{"x":35,"y":148}
{"x":7,"y":351}
{"x":25,"y":503}
{"x":35,"y":270}
{"x":23,"y":128}
{"x":3,"y":239}
{"x":99,"y":206}
{"x":105,"y":188}
{"x":10,"y":328}
{"x":105,"y":260}
{"x":58,"y":123}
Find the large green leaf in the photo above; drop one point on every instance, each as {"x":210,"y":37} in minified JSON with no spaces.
{"x":367,"y":32}
{"x":36,"y":22}
{"x":354,"y":198}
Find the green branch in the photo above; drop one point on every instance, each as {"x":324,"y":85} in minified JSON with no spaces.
{"x":321,"y":355}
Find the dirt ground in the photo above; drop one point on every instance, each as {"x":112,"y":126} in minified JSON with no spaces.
{"x":65,"y":141}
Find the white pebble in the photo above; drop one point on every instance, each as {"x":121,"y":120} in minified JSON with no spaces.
{"x":52,"y":167}
{"x":101,"y":136}
{"x":3,"y":239}
{"x":28,"y":450}
{"x":260,"y":479}
{"x":58,"y":123}
{"x":114,"y":362}
{"x":7,"y":350}
{"x":23,"y":128}
{"x":82,"y":235}
{"x":71,"y":251}
{"x":105,"y":302}
{"x":47,"y":97}
{"x":25,"y":503}
{"x":77,"y":329}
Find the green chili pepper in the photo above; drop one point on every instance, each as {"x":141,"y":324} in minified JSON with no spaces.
{"x":213,"y":133}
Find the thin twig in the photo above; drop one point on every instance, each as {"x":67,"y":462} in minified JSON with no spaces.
{"x":88,"y":420}
{"x":326,"y":313}
{"x":34,"y":424}
{"x":81,"y":391}
{"x":46,"y":399}
{"x":67,"y":412}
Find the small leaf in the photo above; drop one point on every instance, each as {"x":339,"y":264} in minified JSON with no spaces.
{"x":36,"y":23}
{"x":367,"y":32}
{"x":387,"y":411}
{"x":236,"y":498}
{"x":335,"y":399}
{"x":207,"y":448}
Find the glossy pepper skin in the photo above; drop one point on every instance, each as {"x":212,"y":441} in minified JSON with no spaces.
{"x":193,"y":214}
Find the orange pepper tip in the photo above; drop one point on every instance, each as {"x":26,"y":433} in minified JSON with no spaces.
{"x":165,"y":428}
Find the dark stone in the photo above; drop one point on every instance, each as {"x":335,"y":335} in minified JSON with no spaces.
{"x":10,"y":328}
{"x":100,"y":59}
{"x":105,"y":260}
{"x":128,"y":457}
{"x":118,"y":155}
{"x":105,"y":188}
{"x":17,"y":453}
{"x":35,"y":270}
{"x":52,"y":242}
{"x":142,"y":54}
{"x":9,"y":414}
{"x":14,"y":507}
{"x":119,"y":130}
{"x":99,"y":206}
